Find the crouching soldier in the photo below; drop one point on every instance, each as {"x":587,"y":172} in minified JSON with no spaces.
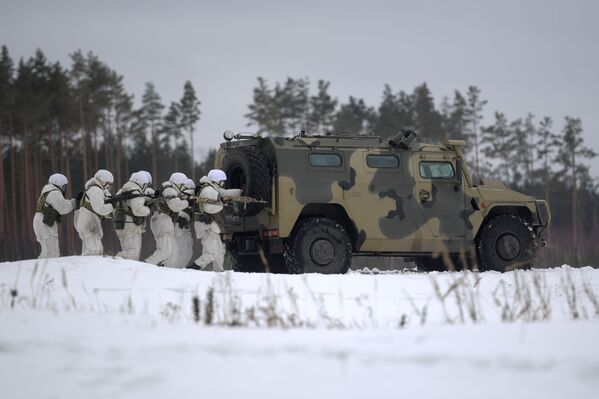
{"x":130,"y":215}
{"x":169,"y":204}
{"x":93,"y":209}
{"x":50,"y":206}
{"x":207,"y":229}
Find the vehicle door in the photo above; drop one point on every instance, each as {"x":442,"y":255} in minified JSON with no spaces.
{"x":439,"y":193}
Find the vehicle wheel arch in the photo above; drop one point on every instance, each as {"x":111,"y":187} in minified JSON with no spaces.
{"x":521,"y":211}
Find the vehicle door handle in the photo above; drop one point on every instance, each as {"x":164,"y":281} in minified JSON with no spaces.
{"x":424,"y":195}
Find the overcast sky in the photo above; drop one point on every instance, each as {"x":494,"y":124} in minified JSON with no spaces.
{"x":538,"y":56}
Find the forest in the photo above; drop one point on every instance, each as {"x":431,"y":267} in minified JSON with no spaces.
{"x":78,"y":118}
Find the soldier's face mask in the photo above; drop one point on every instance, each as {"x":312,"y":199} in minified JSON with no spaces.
{"x":221,"y":183}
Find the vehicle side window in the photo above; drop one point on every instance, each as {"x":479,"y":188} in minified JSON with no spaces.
{"x":436,"y":170}
{"x":331,"y":160}
{"x":382,"y":161}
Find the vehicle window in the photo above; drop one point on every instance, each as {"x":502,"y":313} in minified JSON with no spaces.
{"x":324,"y":159}
{"x":436,"y":170}
{"x":382,"y":161}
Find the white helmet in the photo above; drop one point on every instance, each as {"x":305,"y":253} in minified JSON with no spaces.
{"x":59,"y":180}
{"x":190,"y":184}
{"x":139,"y":178}
{"x":178,"y":179}
{"x":104,"y":177}
{"x":147,"y":174}
{"x":189,"y":187}
{"x":217,"y":175}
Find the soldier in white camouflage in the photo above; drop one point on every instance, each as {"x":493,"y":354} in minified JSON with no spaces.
{"x":51,"y":205}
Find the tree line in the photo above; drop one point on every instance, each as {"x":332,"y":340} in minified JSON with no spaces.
{"x":75,"y":120}
{"x":528,"y":154}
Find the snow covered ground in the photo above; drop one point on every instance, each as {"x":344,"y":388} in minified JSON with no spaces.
{"x":101,"y":327}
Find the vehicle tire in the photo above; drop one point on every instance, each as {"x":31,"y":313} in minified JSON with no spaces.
{"x":430,"y":264}
{"x":247,"y":168}
{"x":506,"y":242}
{"x":318,"y":245}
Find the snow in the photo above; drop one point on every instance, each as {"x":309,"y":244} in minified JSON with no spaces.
{"x":102,"y":327}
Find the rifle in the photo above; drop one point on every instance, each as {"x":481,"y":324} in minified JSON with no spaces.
{"x":193,"y":199}
{"x":127,"y":196}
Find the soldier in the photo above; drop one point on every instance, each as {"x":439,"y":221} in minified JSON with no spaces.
{"x":94,"y":209}
{"x":130,"y":216}
{"x":50,"y":206}
{"x":162,"y":223}
{"x":183,"y":238}
{"x":207,"y":230}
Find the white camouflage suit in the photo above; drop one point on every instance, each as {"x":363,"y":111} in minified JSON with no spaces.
{"x":183,"y":238}
{"x":162,"y":224}
{"x":213,"y":249}
{"x":130,"y":235}
{"x":46,"y":235}
{"x":87,"y":222}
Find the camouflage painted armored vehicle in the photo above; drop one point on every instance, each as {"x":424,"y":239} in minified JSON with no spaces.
{"x":333,"y":197}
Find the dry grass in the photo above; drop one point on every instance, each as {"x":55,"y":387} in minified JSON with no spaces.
{"x":520,"y":296}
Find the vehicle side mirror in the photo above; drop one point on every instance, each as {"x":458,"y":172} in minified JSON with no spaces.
{"x":458,"y":171}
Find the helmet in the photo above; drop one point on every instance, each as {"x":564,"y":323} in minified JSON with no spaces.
{"x":59,"y":180}
{"x":217,"y":175}
{"x":178,"y":179}
{"x":189,"y":187}
{"x":139,"y":178}
{"x":147,"y":174}
{"x":190,"y":184}
{"x":104,"y":177}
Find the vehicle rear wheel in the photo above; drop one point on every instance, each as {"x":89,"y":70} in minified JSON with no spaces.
{"x":318,"y":245}
{"x":506,"y":242}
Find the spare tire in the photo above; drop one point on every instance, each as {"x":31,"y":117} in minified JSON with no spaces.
{"x":247,"y":168}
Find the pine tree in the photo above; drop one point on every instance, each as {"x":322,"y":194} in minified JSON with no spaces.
{"x":291,"y":100}
{"x":427,"y":119}
{"x":530,"y":133}
{"x":149,"y":121}
{"x":396,"y":112}
{"x":544,"y":146}
{"x":262,"y":111}
{"x":499,"y":143}
{"x":171,"y":134}
{"x":453,"y":117}
{"x":519,"y":161}
{"x":6,"y":80}
{"x":571,"y":154}
{"x":354,"y":118}
{"x":322,"y":109}
{"x":474,"y":115}
{"x":189,"y":110}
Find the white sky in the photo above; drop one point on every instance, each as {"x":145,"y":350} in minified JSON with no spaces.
{"x":538,"y":56}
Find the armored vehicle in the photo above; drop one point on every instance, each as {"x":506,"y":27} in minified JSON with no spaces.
{"x":329,"y":198}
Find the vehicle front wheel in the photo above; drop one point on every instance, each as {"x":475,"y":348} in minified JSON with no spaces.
{"x":506,"y":242}
{"x":318,"y":245}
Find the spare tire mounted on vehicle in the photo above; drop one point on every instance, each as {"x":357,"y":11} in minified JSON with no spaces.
{"x":247,"y":168}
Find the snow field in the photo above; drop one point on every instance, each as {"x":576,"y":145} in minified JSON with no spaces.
{"x":102,"y":327}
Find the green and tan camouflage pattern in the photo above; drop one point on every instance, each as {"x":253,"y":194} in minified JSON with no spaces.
{"x":385,"y":205}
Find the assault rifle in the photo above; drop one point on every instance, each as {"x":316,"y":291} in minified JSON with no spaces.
{"x":200,"y":200}
{"x":129,"y":195}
